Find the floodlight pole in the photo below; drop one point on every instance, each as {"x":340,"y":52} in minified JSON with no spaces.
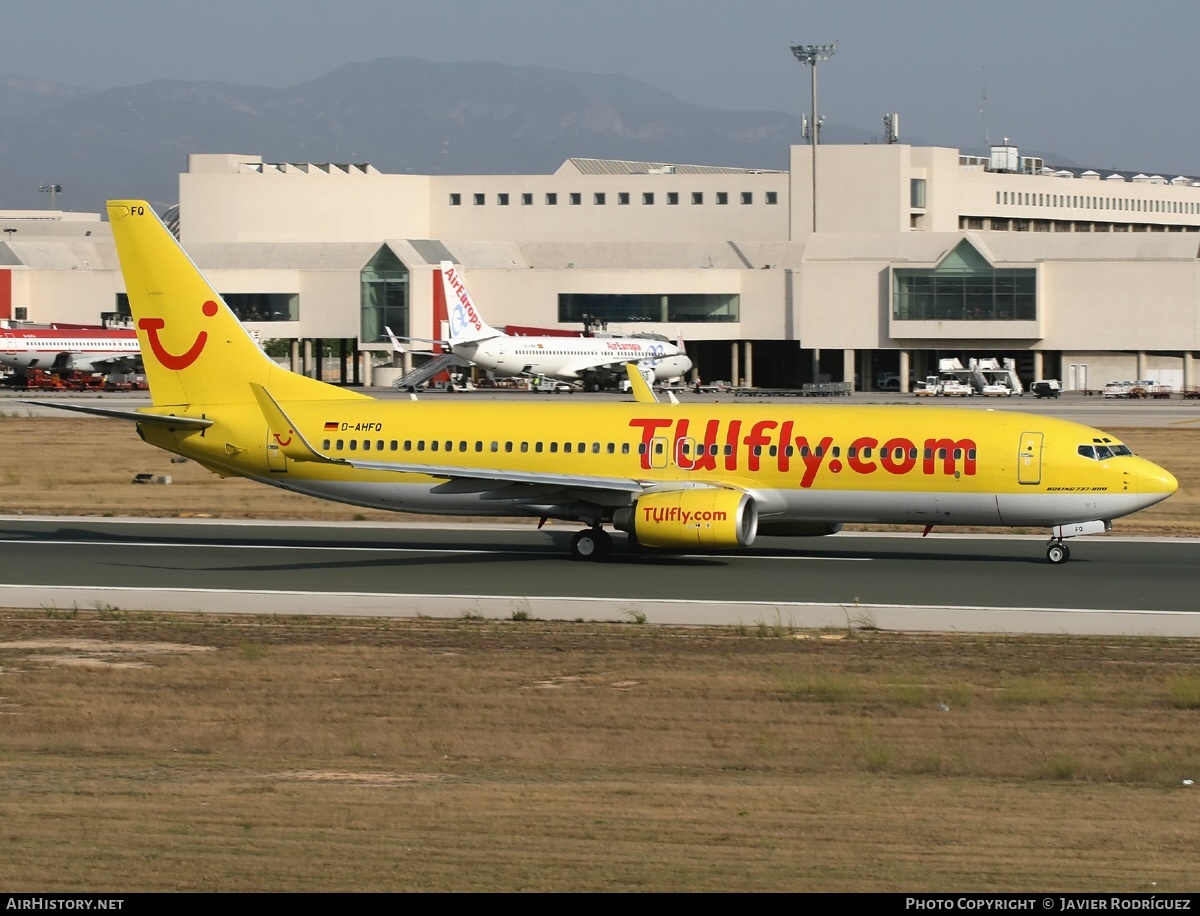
{"x":53,"y":190}
{"x":809,"y":55}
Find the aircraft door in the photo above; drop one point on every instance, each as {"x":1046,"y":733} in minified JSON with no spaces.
{"x":686,"y":454}
{"x":9,"y":343}
{"x":1029,"y":458}
{"x":276,"y":460}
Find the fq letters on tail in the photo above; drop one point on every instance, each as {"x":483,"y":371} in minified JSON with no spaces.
{"x":675,"y":477}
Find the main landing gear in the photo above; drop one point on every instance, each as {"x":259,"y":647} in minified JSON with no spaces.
{"x":1057,"y":552}
{"x":591,"y":544}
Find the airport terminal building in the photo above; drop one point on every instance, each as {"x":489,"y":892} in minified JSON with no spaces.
{"x":874,"y":259}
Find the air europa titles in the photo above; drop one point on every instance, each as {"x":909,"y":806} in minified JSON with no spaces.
{"x":731,"y":444}
{"x":468,"y":308}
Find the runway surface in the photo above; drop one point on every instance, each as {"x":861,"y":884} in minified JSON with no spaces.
{"x":896,"y":582}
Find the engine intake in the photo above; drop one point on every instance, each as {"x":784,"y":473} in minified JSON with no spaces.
{"x":710,"y":518}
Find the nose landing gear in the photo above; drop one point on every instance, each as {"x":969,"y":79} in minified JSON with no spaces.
{"x":1057,"y":552}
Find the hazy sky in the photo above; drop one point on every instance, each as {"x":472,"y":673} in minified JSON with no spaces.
{"x":1103,"y":83}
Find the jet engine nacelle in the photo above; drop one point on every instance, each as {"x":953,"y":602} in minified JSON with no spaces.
{"x":769,"y":528}
{"x":712,"y":518}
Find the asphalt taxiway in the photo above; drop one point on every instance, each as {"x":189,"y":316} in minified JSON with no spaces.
{"x":969,"y":583}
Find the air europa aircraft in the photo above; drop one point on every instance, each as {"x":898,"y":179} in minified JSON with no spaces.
{"x":672,"y":476}
{"x":594,"y":361}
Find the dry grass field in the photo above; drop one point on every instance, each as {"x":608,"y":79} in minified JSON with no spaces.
{"x":143,"y":752}
{"x":152,"y":752}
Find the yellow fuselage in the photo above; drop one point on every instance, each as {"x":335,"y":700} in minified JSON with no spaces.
{"x":920,"y":465}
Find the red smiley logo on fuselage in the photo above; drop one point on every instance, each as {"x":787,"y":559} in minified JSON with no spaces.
{"x":153,"y":325}
{"x":279,"y":439}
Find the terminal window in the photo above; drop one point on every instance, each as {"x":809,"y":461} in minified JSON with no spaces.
{"x":383,"y":296}
{"x":264,"y":306}
{"x":456,"y":200}
{"x":705,"y":308}
{"x":964,"y":287}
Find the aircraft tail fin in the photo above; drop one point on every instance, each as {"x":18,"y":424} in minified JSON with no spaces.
{"x":194,"y":349}
{"x":466,"y":324}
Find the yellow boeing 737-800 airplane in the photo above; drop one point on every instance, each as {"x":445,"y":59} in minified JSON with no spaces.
{"x":708,"y":476}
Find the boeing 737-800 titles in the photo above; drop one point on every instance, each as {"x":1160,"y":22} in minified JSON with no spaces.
{"x":594,"y":361}
{"x":673,"y":476}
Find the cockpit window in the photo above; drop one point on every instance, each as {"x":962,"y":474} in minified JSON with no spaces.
{"x":1104,"y":452}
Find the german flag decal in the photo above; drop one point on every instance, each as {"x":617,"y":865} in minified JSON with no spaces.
{"x":331,"y":426}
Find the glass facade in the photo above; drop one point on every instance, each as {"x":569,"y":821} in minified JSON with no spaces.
{"x":384,"y":297}
{"x":964,"y":287}
{"x":574,"y":308}
{"x":264,"y":306}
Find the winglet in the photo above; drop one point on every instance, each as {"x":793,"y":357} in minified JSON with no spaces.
{"x":642,"y":392}
{"x":290,"y":440}
{"x":395,"y":343}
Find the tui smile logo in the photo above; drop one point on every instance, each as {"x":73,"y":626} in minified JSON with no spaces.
{"x":172,"y":361}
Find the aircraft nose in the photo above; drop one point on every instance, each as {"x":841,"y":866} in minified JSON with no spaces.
{"x":1154,"y":484}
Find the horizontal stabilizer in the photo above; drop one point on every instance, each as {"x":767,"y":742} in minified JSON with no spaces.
{"x":157,"y":419}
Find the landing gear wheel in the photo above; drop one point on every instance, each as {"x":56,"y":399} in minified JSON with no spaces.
{"x":591,"y":385}
{"x":591,"y":544}
{"x":1058,"y":553}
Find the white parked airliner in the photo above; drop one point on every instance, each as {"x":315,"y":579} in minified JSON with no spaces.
{"x":89,"y":349}
{"x":594,"y":361}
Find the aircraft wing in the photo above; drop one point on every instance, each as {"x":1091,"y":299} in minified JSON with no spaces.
{"x":615,"y":365}
{"x":396,"y":339}
{"x":117,"y":359}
